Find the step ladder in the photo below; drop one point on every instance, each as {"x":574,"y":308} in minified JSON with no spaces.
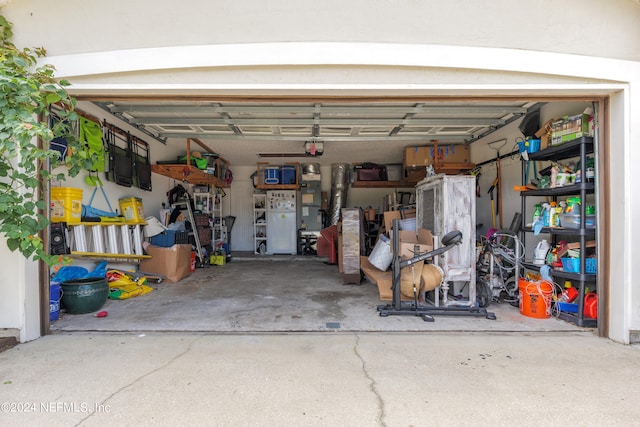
{"x":109,"y":239}
{"x":186,"y":203}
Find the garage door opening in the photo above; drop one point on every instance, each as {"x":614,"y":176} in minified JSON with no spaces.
{"x":258,"y":293}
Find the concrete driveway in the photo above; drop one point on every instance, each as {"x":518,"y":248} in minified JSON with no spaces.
{"x":320,"y":379}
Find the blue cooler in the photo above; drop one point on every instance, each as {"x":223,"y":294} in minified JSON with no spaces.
{"x":272,"y":175}
{"x":288,"y":174}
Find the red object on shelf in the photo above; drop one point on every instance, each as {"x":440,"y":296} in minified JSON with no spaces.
{"x":569,"y":295}
{"x":591,"y":305}
{"x":327,"y":244}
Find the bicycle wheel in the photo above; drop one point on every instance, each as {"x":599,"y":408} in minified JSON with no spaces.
{"x":483,"y":293}
{"x":512,"y":290}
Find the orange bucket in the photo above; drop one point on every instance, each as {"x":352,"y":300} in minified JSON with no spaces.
{"x":535,"y":298}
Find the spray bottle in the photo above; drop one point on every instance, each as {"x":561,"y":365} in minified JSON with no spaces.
{"x":545,"y":214}
{"x":537,"y":213}
{"x":572,"y":203}
{"x":552,"y":214}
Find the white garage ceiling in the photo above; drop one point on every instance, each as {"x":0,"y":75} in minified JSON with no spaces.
{"x":245,"y":132}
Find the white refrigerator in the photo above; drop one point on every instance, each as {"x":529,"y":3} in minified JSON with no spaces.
{"x":282,"y":224}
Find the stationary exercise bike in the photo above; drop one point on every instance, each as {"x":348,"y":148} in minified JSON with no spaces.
{"x":426,"y":312}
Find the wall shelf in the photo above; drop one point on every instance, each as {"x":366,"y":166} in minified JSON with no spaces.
{"x":189,"y":174}
{"x":262,"y":171}
{"x":382,"y":184}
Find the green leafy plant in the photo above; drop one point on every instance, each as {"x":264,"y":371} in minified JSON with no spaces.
{"x":29,"y":95}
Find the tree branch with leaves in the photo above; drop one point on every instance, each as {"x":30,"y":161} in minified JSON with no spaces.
{"x":29,"y":95}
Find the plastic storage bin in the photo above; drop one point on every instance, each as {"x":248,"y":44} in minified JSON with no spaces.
{"x":572,"y":220}
{"x":288,"y":174}
{"x":530,"y":146}
{"x":567,"y":307}
{"x":169,"y":238}
{"x":572,"y":265}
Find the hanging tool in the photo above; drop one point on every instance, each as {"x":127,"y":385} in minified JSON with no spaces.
{"x":498,"y":184}
{"x":493,"y":203}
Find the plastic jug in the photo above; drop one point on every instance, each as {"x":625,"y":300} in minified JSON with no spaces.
{"x":540,"y":253}
{"x":568,"y":295}
{"x":591,"y":305}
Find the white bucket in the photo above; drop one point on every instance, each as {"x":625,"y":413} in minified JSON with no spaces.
{"x":381,"y":255}
{"x":153,"y":227}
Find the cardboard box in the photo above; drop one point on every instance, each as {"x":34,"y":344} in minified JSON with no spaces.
{"x":173,"y":262}
{"x":389,"y":216}
{"x":408,"y":213}
{"x":544,"y":134}
{"x":420,"y":240}
{"x":452,"y":154}
{"x":417,"y":156}
{"x":415,"y":174}
{"x":571,"y":128}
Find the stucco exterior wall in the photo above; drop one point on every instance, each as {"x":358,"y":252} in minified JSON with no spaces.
{"x":604,"y":28}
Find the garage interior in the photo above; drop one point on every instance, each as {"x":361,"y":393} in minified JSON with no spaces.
{"x":258,"y":291}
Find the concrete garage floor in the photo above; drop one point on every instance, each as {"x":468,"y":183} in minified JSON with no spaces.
{"x":280,"y":294}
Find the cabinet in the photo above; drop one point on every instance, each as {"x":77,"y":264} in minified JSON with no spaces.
{"x":260,"y":223}
{"x":583,"y":234}
{"x":445,"y":203}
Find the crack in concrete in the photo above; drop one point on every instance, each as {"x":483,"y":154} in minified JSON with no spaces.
{"x":105,"y":400}
{"x":372,"y":383}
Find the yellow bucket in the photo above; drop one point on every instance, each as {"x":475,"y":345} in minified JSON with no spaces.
{"x":131,"y":209}
{"x":66,"y":205}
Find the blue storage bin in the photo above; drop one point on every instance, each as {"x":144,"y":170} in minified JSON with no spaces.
{"x":567,"y":307}
{"x":288,"y":174}
{"x":530,"y":146}
{"x":168,"y":238}
{"x":572,"y":265}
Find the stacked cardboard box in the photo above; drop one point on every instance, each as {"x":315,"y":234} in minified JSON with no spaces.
{"x":570,"y":128}
{"x":416,"y":159}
